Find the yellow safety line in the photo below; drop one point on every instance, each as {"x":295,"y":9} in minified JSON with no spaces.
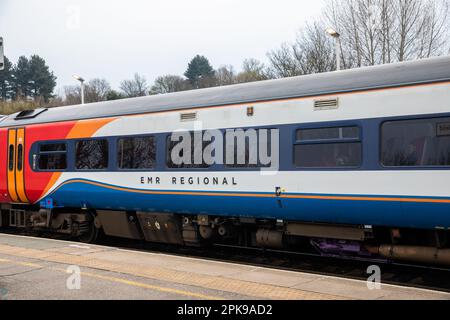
{"x":119,"y":280}
{"x":146,"y":286}
{"x":187,"y":278}
{"x":21,"y":263}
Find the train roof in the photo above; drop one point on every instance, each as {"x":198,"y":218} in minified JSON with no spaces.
{"x":367,"y":78}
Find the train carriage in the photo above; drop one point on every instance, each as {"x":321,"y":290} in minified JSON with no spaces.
{"x":359,"y":165}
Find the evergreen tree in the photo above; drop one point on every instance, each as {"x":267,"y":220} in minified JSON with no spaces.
{"x":21,"y":77}
{"x":200,"y":73}
{"x":32,"y":78}
{"x":114,"y":95}
{"x":5,"y":81}
{"x":42,"y":81}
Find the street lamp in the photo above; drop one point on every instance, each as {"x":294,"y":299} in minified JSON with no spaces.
{"x":336,"y":36}
{"x":2,"y":55}
{"x":82,"y":86}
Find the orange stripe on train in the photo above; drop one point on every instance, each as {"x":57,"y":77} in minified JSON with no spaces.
{"x":87,"y":128}
{"x":258,"y":195}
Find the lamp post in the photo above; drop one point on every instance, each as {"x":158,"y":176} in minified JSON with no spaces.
{"x":336,"y":36}
{"x":82,"y":86}
{"x":2,"y":56}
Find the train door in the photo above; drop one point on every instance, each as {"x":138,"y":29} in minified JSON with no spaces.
{"x":15,"y":165}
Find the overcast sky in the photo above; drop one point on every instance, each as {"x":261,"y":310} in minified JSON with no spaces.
{"x":113,"y":39}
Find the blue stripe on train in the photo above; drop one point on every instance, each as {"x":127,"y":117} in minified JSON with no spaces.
{"x":425,"y":215}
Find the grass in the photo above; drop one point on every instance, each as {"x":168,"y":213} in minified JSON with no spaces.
{"x":10,"y":107}
{"x":16,"y":106}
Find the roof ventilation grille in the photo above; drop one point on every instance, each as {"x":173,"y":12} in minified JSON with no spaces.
{"x":328,"y":104}
{"x":29,"y":114}
{"x":190,"y":116}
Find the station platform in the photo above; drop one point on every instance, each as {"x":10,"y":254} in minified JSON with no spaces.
{"x":38,"y":268}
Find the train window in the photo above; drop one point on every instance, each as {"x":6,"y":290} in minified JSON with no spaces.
{"x":191,"y":164}
{"x":19,"y":157}
{"x":53,"y":161}
{"x":248,"y":155}
{"x":244,"y":157}
{"x":91,"y":154}
{"x":322,"y":134}
{"x":336,"y":147}
{"x":136,"y":153}
{"x":52,"y":156}
{"x":416,"y":143}
{"x":52,"y":147}
{"x":328,"y":155}
{"x":11,"y":157}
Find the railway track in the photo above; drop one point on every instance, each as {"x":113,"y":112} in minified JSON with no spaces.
{"x":402,"y":274}
{"x":393,"y":273}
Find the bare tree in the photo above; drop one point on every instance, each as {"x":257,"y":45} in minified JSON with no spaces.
{"x":283,"y":63}
{"x":169,"y":83}
{"x":253,"y":70}
{"x":316,"y":52}
{"x":136,"y":87}
{"x":72,"y":95}
{"x":312,"y":52}
{"x":225,"y":75}
{"x":97,"y":90}
{"x":371,"y":32}
{"x":55,"y":101}
{"x":384,"y":31}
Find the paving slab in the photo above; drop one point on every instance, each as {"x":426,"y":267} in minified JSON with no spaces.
{"x":36,"y":268}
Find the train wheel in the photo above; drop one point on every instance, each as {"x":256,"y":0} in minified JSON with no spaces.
{"x":92,"y":232}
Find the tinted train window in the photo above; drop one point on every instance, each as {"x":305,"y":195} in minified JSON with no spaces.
{"x":19,"y":157}
{"x":193,"y":153}
{"x":136,"y":153}
{"x":246,"y":157}
{"x":52,"y":147}
{"x":329,"y":155}
{"x":52,"y":156}
{"x":53,"y":161}
{"x":323,"y":134}
{"x":416,"y":143}
{"x":328,"y":148}
{"x":247,"y":154}
{"x":91,"y":154}
{"x":11,"y":157}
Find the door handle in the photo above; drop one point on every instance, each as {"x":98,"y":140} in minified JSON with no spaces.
{"x":34,"y":161}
